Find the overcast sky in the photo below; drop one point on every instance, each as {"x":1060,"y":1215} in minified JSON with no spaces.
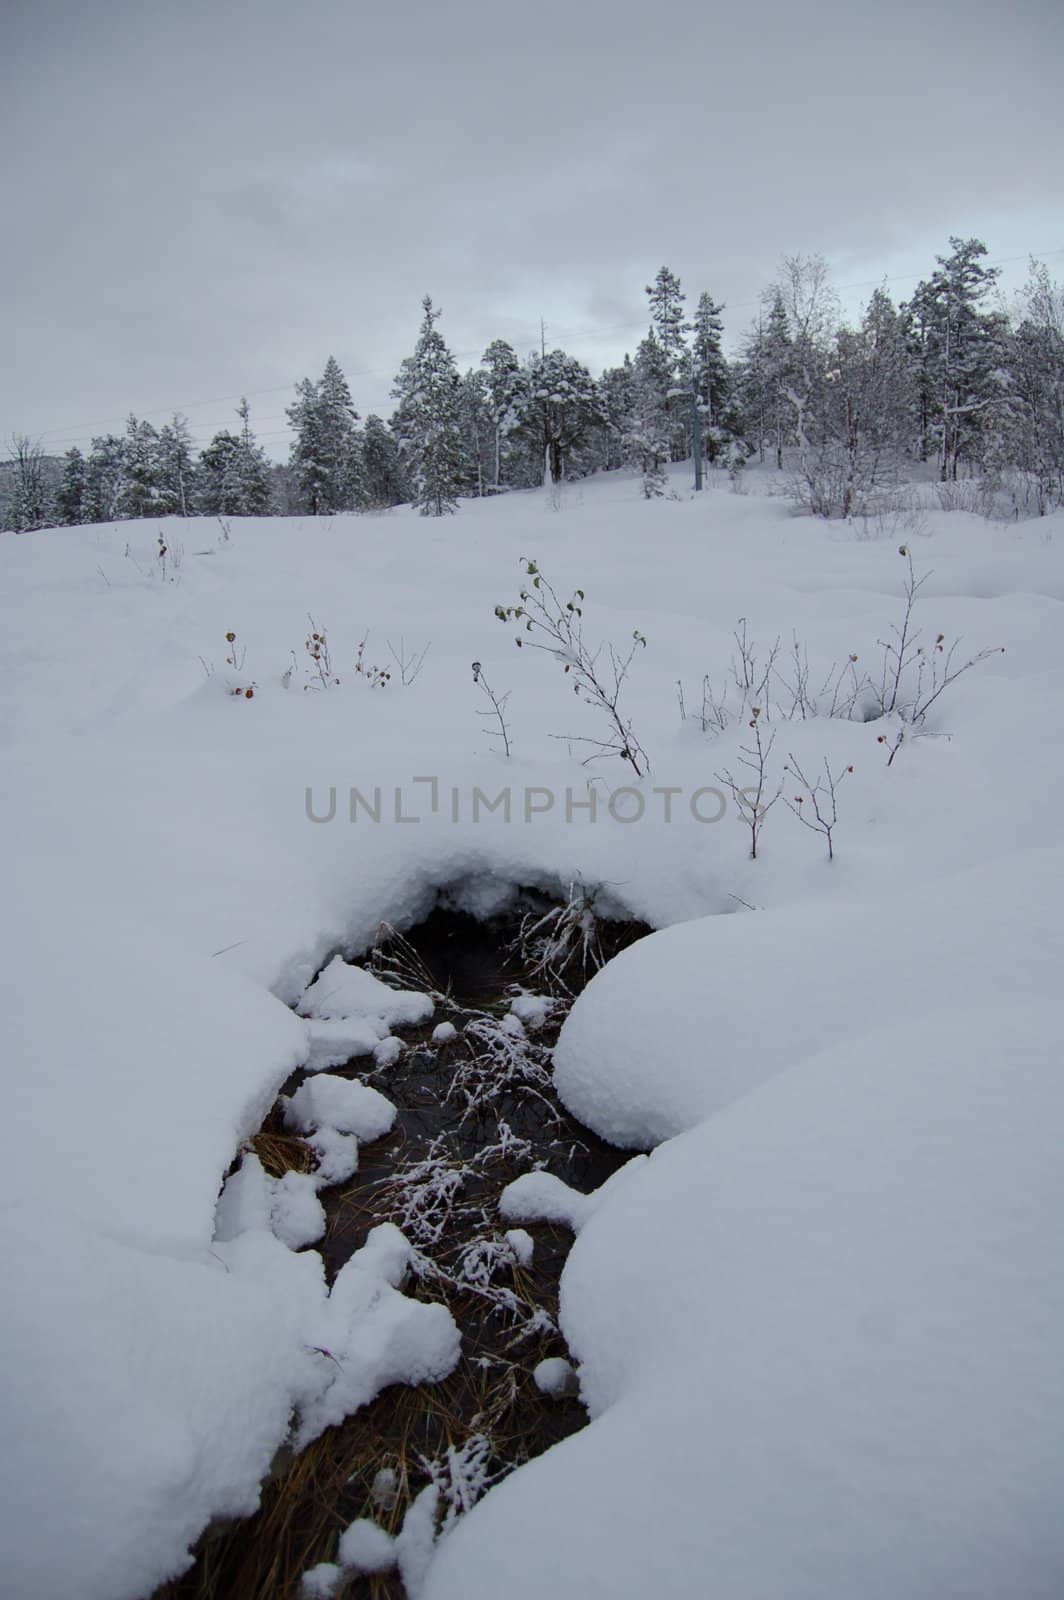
{"x":201,"y":200}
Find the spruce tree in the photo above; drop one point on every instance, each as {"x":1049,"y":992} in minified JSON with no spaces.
{"x":71,"y":500}
{"x":617,"y":389}
{"x":477,"y":432}
{"x":103,"y":478}
{"x":140,"y":494}
{"x":175,"y":471}
{"x":557,"y":407}
{"x":245,"y":489}
{"x":428,"y":420}
{"x":325,"y":454}
{"x":958,"y":348}
{"x":712,"y":379}
{"x":649,"y":428}
{"x":669,"y":329}
{"x":503,"y":371}
{"x":382,"y":477}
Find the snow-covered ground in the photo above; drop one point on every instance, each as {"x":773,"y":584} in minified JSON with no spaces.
{"x":818,"y":1331}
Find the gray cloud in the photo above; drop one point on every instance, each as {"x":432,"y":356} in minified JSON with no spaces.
{"x":209,"y":198}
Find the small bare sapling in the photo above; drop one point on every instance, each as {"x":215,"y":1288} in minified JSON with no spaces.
{"x":500,"y":728}
{"x":555,"y":626}
{"x":816,"y":805}
{"x":753,"y":800}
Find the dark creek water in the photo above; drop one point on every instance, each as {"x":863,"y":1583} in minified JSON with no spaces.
{"x":473,"y":1113}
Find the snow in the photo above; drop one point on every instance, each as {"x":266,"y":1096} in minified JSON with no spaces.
{"x":289,"y":1206}
{"x":522,"y":1244}
{"x":321,"y":1582}
{"x":334,"y":1043}
{"x":819,"y":1337}
{"x":343,"y":991}
{"x":554,"y":1376}
{"x":373,"y":1336}
{"x":817,"y":1327}
{"x":344,"y":1105}
{"x":544,"y":1197}
{"x":366,"y":1547}
{"x":532,"y":1009}
{"x":337,"y":1155}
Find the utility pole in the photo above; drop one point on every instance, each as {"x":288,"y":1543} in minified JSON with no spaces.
{"x":696,"y":434}
{"x":542,"y":339}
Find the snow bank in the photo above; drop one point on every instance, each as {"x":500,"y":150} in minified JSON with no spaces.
{"x":819,"y":1336}
{"x":693,"y":1017}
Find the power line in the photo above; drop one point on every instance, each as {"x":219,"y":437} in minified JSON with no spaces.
{"x":75,"y":431}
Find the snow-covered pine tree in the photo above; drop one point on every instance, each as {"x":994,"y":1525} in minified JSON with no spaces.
{"x":764,"y":373}
{"x":339,"y":435}
{"x":382,"y":477}
{"x":175,"y":467}
{"x":669,"y":328}
{"x":959,"y":350}
{"x":477,"y":432}
{"x":325,"y":453}
{"x":648,"y":433}
{"x":503,"y":374}
{"x":712,"y":379}
{"x":428,"y":420}
{"x":245,"y":489}
{"x":140,"y":494}
{"x":308,"y":456}
{"x":617,"y":388}
{"x":211,"y":470}
{"x":71,"y":499}
{"x":557,"y":406}
{"x":104,"y":469}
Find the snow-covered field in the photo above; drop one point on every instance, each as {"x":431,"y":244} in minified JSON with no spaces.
{"x":818,"y":1331}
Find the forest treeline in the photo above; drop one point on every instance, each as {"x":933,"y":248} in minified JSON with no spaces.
{"x":953,"y":379}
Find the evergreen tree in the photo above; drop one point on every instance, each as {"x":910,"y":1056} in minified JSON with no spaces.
{"x":212,"y":468}
{"x":477,"y":432}
{"x":381,"y":471}
{"x":669,"y":328}
{"x":175,"y":471}
{"x":428,"y":420}
{"x":140,"y":494}
{"x":667,"y":322}
{"x":72,"y":497}
{"x":557,"y":407}
{"x":764,"y":375}
{"x":245,"y":489}
{"x":617,"y":391}
{"x":503,"y":372}
{"x":103,"y":478}
{"x":308,"y":456}
{"x":648,"y":432}
{"x":325,"y":455}
{"x":958,"y":349}
{"x":712,"y":379}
